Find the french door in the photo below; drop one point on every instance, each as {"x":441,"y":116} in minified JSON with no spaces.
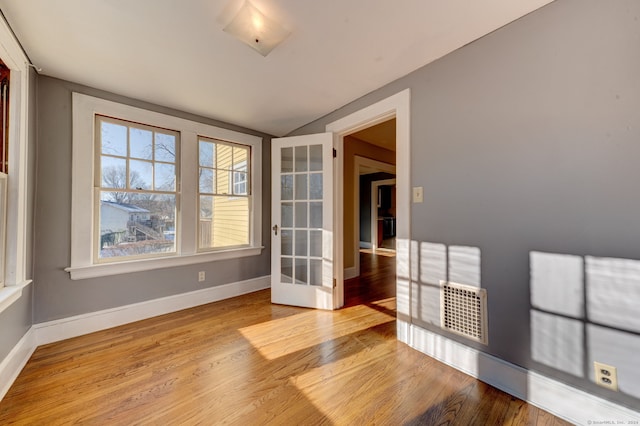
{"x":302,"y":265}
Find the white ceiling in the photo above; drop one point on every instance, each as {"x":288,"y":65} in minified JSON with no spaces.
{"x":174,"y":52}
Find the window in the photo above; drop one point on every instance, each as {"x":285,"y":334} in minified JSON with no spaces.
{"x":14,"y":153}
{"x":224,"y":202}
{"x":4,"y":161}
{"x":146,"y":195}
{"x":136,"y":186}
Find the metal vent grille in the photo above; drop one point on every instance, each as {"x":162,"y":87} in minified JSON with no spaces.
{"x":464,"y":310}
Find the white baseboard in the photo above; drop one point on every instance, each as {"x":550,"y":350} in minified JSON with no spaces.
{"x":65,"y":328}
{"x":559,"y":399}
{"x":15,"y":361}
{"x":350,"y":272}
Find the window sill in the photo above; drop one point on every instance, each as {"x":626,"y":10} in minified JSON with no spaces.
{"x":106,"y":269}
{"x":10,"y":294}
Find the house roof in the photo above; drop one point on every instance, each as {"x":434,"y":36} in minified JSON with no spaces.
{"x":126,"y":207}
{"x":175,"y":54}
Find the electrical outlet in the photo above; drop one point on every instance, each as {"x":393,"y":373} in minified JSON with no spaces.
{"x":606,"y":375}
{"x":201,"y":276}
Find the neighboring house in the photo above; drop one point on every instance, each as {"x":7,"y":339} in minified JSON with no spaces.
{"x":115,"y":217}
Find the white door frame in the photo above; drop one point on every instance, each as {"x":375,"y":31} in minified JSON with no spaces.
{"x":374,"y":212}
{"x":360,"y":161}
{"x":397,"y":106}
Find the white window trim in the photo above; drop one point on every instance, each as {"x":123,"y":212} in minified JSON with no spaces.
{"x":16,"y":236}
{"x":82,"y":207}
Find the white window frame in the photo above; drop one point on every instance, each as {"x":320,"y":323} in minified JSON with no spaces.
{"x":82,"y":191}
{"x":15,"y":259}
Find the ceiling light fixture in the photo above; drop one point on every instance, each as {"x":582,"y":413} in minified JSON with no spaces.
{"x":255,"y":29}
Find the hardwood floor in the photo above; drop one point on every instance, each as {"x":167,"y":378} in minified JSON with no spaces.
{"x":245,"y":361}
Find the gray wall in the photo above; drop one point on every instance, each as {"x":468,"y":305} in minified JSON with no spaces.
{"x":528,"y":140}
{"x":56,"y":295}
{"x":17,"y":319}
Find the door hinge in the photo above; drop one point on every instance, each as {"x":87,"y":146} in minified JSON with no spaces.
{"x":335,"y":153}
{"x":335,"y":283}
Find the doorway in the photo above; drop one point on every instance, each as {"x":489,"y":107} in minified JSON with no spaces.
{"x":369,"y":200}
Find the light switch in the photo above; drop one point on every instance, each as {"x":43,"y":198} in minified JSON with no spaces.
{"x":418,"y":196}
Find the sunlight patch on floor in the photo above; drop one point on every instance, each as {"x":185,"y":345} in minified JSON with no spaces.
{"x":283,"y":336}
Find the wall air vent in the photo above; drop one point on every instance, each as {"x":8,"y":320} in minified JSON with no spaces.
{"x":464,"y":310}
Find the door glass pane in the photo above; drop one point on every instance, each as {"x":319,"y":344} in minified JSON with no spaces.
{"x":315,"y":243}
{"x":315,"y":186}
{"x":315,"y":272}
{"x":301,"y":159}
{"x":301,"y":242}
{"x":287,"y":242}
{"x":301,"y":187}
{"x":301,"y":215}
{"x":286,"y":265}
{"x":315,"y":215}
{"x":286,"y":187}
{"x":315,"y":158}
{"x":301,"y":271}
{"x":286,"y":160}
{"x":287,"y":215}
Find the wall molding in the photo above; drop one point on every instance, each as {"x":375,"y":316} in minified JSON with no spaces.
{"x":351,"y":272}
{"x":14,"y":362}
{"x":564,"y":401}
{"x":66,"y":328}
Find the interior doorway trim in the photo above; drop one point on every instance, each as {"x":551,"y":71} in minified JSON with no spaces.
{"x":397,"y":106}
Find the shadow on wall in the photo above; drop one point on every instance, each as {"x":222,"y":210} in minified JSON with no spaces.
{"x":585,"y":310}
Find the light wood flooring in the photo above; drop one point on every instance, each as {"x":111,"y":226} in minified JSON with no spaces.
{"x":245,"y":361}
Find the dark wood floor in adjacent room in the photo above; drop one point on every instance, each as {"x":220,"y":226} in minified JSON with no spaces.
{"x":245,"y":361}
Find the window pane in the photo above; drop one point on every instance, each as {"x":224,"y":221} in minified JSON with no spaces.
{"x":224,"y":157}
{"x":315,"y":272}
{"x":301,"y":187}
{"x":286,"y":187}
{"x":206,"y":207}
{"x":315,"y":243}
{"x":206,"y":181}
{"x":229,"y":223}
{"x":165,"y":148}
{"x":301,"y":242}
{"x":165,"y":177}
{"x":114,"y":172}
{"x":286,"y":160}
{"x":301,"y":158}
{"x":287,"y":270}
{"x":315,"y":215}
{"x":140,"y":174}
{"x":315,"y":186}
{"x":287,"y":243}
{"x":206,"y":154}
{"x":223,"y":182}
{"x":134,"y":224}
{"x":140,"y":143}
{"x":301,"y":271}
{"x":240,"y":156}
{"x":113,"y":138}
{"x":315,"y":158}
{"x":301,"y":215}
{"x":204,"y":224}
{"x":240,"y":183}
{"x":287,"y":215}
